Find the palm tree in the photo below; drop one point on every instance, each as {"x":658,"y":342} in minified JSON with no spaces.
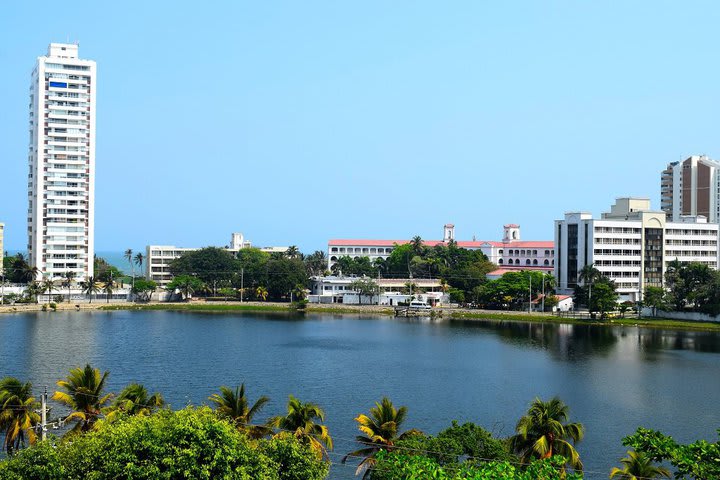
{"x":48,"y":286}
{"x":589,"y":274}
{"x":300,"y":421}
{"x":417,"y":244}
{"x":139,"y":259}
{"x":17,"y":414}
{"x":68,"y":281}
{"x":261,"y":292}
{"x":29,"y":273}
{"x":90,"y":286}
{"x":33,"y":290}
{"x":235,"y":406}
{"x":134,"y":400}
{"x":380,"y":432}
{"x":129,"y":257}
{"x":637,"y":466}
{"x":108,"y":289}
{"x":292,"y":251}
{"x":541,"y":433}
{"x":84,"y":395}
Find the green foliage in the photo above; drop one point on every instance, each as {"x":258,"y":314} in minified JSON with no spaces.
{"x":700,"y":459}
{"x":365,"y":288}
{"x":302,"y":419}
{"x":400,"y":466}
{"x":456,"y":295}
{"x":104,"y":272}
{"x":638,"y":466}
{"x":190,"y":443}
{"x":284,"y":274}
{"x":144,"y":288}
{"x":17,"y":413}
{"x":543,"y":433}
{"x":186,"y":285}
{"x":209,"y":264}
{"x":513,"y":289}
{"x":604,"y":298}
{"x":360,"y":266}
{"x":655,"y":297}
{"x":316,"y":263}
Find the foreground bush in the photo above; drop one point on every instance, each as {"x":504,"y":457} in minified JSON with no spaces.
{"x":398,"y":466}
{"x":191,"y":443}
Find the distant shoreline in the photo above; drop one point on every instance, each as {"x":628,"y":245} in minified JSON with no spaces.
{"x":441,"y":313}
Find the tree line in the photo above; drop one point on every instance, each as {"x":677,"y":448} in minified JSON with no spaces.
{"x":136,"y":435}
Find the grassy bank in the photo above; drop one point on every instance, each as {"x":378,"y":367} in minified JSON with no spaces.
{"x":247,"y":307}
{"x":664,"y":323}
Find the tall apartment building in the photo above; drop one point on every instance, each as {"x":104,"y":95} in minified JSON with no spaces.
{"x":691,"y":187}
{"x":61,"y":178}
{"x":631,"y":244}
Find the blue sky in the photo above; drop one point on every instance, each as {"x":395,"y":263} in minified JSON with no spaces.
{"x":297,"y":122}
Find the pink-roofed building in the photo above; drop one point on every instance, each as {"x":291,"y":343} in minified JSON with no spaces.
{"x":511,"y":253}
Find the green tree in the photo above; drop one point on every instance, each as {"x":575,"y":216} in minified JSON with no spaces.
{"x":654,"y":297}
{"x":365,"y":287}
{"x":283,"y":275}
{"x":292,"y":251}
{"x":144,"y":289}
{"x":32,"y":291}
{"x":105,"y":272}
{"x":316,"y":263}
{"x":301,"y":420}
{"x":48,"y":286}
{"x":108,"y":289}
{"x":68,"y":280}
{"x":604,"y":298}
{"x":134,"y":400}
{"x":234,"y":405}
{"x":84,"y":395}
{"x":139,"y":259}
{"x":185,"y":285}
{"x":697,"y":460}
{"x":193,"y":443}
{"x":261,"y":292}
{"x":90,"y":286}
{"x":380,"y":430}
{"x":211,"y":265}
{"x":17,"y":414}
{"x":542,"y":433}
{"x":637,"y":466}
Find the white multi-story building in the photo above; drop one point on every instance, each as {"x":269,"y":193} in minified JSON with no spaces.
{"x":691,"y":187}
{"x":631,"y":244}
{"x":159,"y":257}
{"x":61,"y":178}
{"x":511,"y":252}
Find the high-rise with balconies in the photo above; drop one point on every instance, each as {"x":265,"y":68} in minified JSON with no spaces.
{"x":61,"y":177}
{"x":691,"y":187}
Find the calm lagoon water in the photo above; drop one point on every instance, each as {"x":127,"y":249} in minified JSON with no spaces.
{"x":614,"y":379}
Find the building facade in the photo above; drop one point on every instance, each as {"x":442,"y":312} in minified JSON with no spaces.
{"x":337,"y":289}
{"x":61,"y":178}
{"x":691,"y":187}
{"x":631,"y":244}
{"x":511,"y":252}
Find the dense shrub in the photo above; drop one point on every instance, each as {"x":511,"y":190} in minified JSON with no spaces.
{"x":190,"y":443}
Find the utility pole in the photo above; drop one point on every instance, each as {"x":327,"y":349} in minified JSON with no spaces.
{"x":242,"y":283}
{"x":43,"y":415}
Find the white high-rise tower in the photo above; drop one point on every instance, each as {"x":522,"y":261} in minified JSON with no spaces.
{"x":61,"y":180}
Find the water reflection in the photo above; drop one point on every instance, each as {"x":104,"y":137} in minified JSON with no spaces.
{"x":572,"y":342}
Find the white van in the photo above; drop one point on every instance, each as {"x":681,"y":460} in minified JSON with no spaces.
{"x":418,"y":305}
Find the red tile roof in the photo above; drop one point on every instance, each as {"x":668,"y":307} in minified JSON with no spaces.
{"x":431,"y":243}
